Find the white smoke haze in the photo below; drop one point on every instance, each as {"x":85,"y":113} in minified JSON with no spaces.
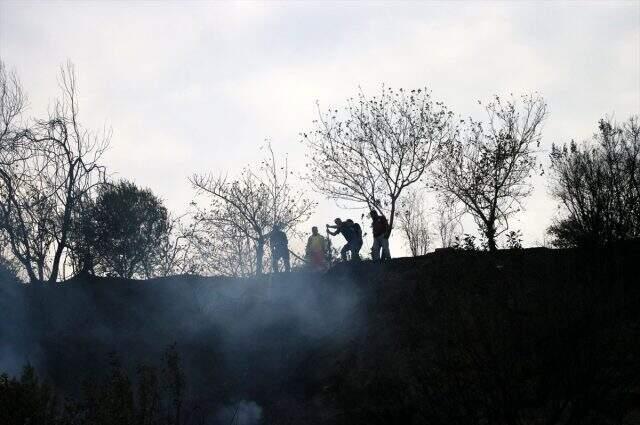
{"x":239,"y":339}
{"x":18,"y":345}
{"x":241,"y":413}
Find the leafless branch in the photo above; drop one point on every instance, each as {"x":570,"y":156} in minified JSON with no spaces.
{"x":377,"y":147}
{"x":489,"y":166}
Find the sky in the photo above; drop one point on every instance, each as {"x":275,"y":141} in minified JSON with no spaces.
{"x":196,"y":86}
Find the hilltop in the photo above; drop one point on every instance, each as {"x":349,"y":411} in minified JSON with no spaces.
{"x":513,"y":337}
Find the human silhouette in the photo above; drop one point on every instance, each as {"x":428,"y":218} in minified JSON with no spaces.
{"x":380,"y":230}
{"x":353,"y":235}
{"x":279,"y":248}
{"x":316,"y":250}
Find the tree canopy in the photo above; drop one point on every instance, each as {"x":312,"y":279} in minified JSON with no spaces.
{"x":376,"y":147}
{"x":598,"y":186}
{"x":488,"y":167}
{"x":127,"y":227}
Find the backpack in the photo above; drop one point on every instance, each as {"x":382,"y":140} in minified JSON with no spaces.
{"x":358,"y":230}
{"x":278,"y":239}
{"x":348,"y":231}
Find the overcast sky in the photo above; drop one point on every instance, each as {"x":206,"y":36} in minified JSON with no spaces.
{"x":198,"y":86}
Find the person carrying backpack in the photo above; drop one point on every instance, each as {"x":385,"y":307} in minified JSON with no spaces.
{"x":357,"y":241}
{"x":380,"y":230}
{"x":350,"y":233}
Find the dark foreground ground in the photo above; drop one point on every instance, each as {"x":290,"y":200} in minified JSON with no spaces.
{"x":530,"y":336}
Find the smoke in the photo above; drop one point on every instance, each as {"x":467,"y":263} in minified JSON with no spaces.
{"x":18,"y":344}
{"x":244,"y":339}
{"x":240,"y":413}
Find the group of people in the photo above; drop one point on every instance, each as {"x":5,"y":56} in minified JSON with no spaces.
{"x":352,"y":232}
{"x":317,"y":249}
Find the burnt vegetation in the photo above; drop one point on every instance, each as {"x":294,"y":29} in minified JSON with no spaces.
{"x":517,"y":337}
{"x":150,"y":395}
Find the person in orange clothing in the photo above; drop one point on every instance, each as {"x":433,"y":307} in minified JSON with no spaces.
{"x":316,"y":250}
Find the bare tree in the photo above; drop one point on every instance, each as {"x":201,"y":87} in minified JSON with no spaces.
{"x":25,"y":204}
{"x":60,"y":166}
{"x":238,"y":207}
{"x":448,"y":221}
{"x":233,"y":254}
{"x":489,"y":166}
{"x":598,"y":186}
{"x":176,"y":253}
{"x":379,"y":147}
{"x":249,"y":206}
{"x":9,"y":269}
{"x":414,"y":223}
{"x":16,"y":175}
{"x":12,"y":105}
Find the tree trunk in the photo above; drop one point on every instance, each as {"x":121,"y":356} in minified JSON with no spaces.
{"x":55,"y":266}
{"x":391,"y":217}
{"x":259,"y":254}
{"x":40,"y":269}
{"x":32,"y":276}
{"x":66,"y":223}
{"x":24,"y":260}
{"x":491,"y":236}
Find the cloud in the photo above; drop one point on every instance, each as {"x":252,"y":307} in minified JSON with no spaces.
{"x":192,"y":87}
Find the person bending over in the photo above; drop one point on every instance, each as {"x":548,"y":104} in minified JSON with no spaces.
{"x":350,"y":234}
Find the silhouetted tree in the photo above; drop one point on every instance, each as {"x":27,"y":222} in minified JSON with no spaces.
{"x":107,"y":398}
{"x":414,"y":223}
{"x":9,"y":270}
{"x":234,"y":254}
{"x":13,"y":154}
{"x":148,"y":412}
{"x":12,"y":105}
{"x":174,"y":384}
{"x":448,"y":221}
{"x":378,"y":147}
{"x":489,"y":166}
{"x":513,"y":240}
{"x":58,"y":164}
{"x":80,"y":256}
{"x":245,"y":209}
{"x":27,"y":400}
{"x":111,"y":401}
{"x":24,"y":214}
{"x":176,"y":252}
{"x":128,"y":225}
{"x":598,"y":186}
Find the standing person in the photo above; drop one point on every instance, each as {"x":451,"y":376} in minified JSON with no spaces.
{"x":316,"y":250}
{"x":380,"y":230}
{"x":279,"y":248}
{"x":357,"y":241}
{"x":349,"y":233}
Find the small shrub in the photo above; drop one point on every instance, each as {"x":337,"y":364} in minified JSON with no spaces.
{"x":514,"y":240}
{"x":466,"y":243}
